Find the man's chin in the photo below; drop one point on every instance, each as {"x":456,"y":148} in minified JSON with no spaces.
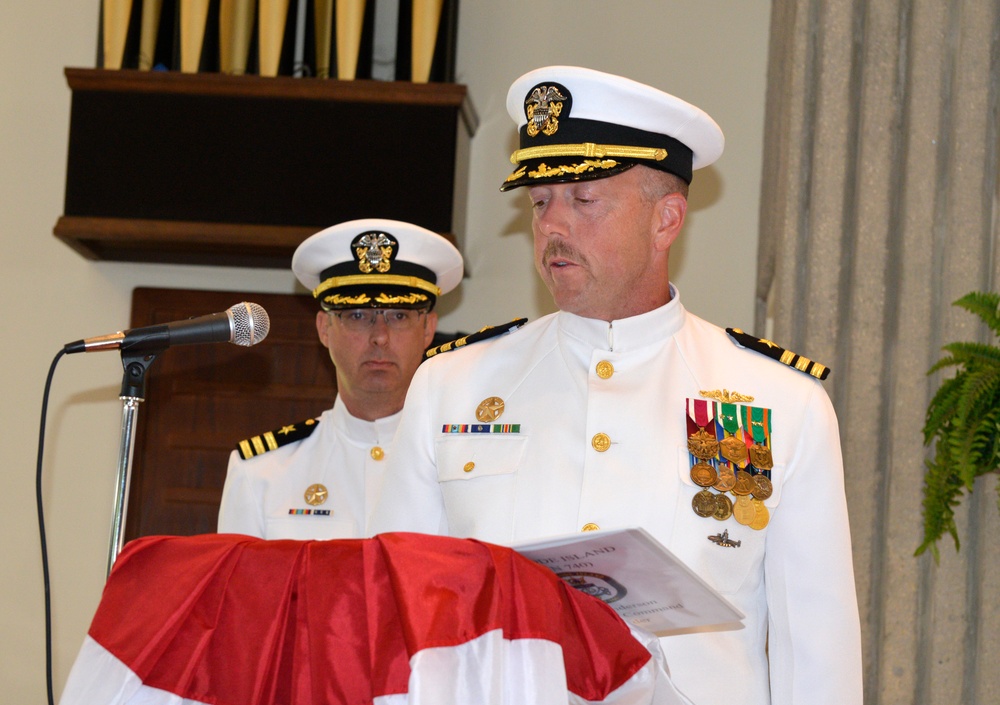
{"x":566,"y":299}
{"x":380,"y":375}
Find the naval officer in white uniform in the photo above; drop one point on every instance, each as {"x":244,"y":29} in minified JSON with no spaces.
{"x":624,"y":409}
{"x":376,"y":282}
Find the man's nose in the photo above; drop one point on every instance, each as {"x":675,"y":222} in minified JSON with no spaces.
{"x":379,"y":332}
{"x":552,"y":220}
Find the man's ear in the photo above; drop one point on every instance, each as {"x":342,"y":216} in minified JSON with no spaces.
{"x":322,"y":325}
{"x":430,"y":327}
{"x":668,"y":220}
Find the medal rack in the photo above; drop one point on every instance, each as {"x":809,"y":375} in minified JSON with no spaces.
{"x":208,"y":168}
{"x":730,"y":451}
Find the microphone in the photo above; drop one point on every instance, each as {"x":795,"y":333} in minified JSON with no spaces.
{"x":244,"y":324}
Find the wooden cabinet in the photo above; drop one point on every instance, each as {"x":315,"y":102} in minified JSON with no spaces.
{"x":238,"y":170}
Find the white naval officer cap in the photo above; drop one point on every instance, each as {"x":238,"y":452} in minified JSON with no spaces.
{"x":377,"y":263}
{"x":576,"y":123}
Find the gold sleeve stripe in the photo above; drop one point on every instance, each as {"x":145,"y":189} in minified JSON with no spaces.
{"x":588,"y":149}
{"x":271,"y":443}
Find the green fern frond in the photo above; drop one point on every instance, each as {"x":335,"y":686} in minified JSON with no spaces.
{"x":980,"y":393}
{"x":945,"y":362}
{"x":969,"y":353}
{"x":962,"y":424}
{"x":941,"y":496}
{"x":986,"y":305}
{"x":942,"y":407}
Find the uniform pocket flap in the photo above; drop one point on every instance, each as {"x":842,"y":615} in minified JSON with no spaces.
{"x":467,"y":457}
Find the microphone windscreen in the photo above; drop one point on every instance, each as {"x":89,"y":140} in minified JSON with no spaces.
{"x":250,"y":323}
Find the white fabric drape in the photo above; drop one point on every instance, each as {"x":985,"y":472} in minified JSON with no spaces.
{"x":879,"y":209}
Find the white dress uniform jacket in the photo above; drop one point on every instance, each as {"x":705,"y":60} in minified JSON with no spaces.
{"x":264,"y":496}
{"x":793,"y":580}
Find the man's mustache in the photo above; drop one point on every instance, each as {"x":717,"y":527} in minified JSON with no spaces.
{"x":560,"y":249}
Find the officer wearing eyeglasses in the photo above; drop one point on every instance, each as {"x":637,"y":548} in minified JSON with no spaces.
{"x":376,"y":282}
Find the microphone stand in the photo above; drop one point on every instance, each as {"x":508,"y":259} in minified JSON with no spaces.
{"x":133,"y":392}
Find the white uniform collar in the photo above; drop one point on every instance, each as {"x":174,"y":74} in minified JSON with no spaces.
{"x":379,"y":431}
{"x":626,"y":334}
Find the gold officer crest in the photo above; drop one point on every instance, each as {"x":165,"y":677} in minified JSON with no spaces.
{"x":543,"y":106}
{"x":374,"y":251}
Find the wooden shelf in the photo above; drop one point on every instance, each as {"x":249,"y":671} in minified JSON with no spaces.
{"x":237,"y":170}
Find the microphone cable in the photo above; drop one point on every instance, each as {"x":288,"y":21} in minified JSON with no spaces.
{"x":41,"y":530}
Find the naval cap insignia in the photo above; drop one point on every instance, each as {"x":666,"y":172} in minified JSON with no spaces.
{"x":374,"y":251}
{"x":543,"y":106}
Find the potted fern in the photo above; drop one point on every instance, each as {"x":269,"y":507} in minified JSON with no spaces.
{"x":963,"y":422}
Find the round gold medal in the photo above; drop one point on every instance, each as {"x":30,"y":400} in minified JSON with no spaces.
{"x":723,"y":507}
{"x":727,"y":478}
{"x":744,"y":483}
{"x":762,"y":487}
{"x":743,"y":510}
{"x":703,"y":444}
{"x":703,"y":474}
{"x":761,"y":515}
{"x":703,"y":503}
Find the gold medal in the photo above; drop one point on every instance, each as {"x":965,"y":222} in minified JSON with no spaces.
{"x":760,"y":456}
{"x":734,"y":450}
{"x":703,"y":444}
{"x":703,"y":474}
{"x":315,"y":495}
{"x":727,"y":478}
{"x":743,"y":510}
{"x":761,"y":515}
{"x":703,"y":503}
{"x":762,"y":487}
{"x":489,"y":409}
{"x":723,"y":507}
{"x":744,"y":483}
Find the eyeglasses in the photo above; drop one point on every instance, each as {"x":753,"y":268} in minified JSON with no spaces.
{"x":397,"y":319}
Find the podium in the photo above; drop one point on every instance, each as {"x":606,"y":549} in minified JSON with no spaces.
{"x":399,"y":618}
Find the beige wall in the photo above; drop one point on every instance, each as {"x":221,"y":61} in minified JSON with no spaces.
{"x":712,"y":53}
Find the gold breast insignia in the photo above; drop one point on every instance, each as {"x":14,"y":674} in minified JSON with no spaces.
{"x":725,"y":396}
{"x":489,"y":409}
{"x":315,"y":495}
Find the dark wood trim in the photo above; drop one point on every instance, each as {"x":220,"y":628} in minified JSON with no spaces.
{"x":181,"y":242}
{"x":284,"y":87}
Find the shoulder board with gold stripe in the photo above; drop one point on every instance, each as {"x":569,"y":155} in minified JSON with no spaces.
{"x":772,"y":350}
{"x":272,"y":440}
{"x":482,"y":334}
